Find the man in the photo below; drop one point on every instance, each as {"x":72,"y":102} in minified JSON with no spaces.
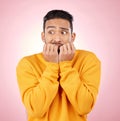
{"x":60,"y":83}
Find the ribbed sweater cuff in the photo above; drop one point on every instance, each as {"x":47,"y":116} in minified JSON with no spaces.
{"x":51,"y":72}
{"x":65,"y":65}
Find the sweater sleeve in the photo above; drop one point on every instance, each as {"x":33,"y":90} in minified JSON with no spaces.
{"x":37,"y":93}
{"x":81,"y":87}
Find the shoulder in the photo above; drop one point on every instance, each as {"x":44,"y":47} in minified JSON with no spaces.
{"x":29,"y":60}
{"x":87,"y":55}
{"x":85,"y":52}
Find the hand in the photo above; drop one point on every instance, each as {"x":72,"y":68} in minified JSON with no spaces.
{"x":50,"y":52}
{"x":67,"y":52}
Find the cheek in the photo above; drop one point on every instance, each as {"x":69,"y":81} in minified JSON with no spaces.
{"x":67,"y":39}
{"x":48,"y":39}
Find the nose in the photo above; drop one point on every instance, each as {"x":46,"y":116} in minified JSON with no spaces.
{"x":57,"y":37}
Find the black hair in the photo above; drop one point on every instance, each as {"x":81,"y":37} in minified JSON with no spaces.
{"x":58,"y":14}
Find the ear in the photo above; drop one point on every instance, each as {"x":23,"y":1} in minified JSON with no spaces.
{"x":73,"y":37}
{"x":43,"y":36}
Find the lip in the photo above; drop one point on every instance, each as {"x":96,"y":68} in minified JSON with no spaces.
{"x":59,"y":45}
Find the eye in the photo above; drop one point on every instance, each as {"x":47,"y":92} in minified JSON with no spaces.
{"x":51,"y":32}
{"x":64,"y":32}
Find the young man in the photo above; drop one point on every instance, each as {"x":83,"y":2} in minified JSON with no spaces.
{"x":60,"y":83}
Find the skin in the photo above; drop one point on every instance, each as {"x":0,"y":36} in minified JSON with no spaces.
{"x":57,"y":36}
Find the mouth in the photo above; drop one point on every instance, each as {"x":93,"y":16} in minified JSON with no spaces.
{"x":58,"y":50}
{"x":59,"y":45}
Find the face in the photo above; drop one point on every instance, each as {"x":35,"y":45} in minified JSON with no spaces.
{"x":57,"y":31}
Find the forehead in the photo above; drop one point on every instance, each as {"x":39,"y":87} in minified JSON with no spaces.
{"x":57,"y":23}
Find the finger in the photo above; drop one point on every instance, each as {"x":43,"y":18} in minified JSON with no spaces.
{"x":65,"y":48}
{"x":52,"y":47}
{"x":47,"y":48}
{"x":73,"y":47}
{"x":61,"y":49}
{"x":44,"y":48}
{"x":69,"y":49}
{"x":55,"y":48}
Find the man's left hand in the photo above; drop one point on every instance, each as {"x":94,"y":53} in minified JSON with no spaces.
{"x":67,"y":52}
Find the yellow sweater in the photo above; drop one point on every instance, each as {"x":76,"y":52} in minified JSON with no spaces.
{"x":59,"y":92}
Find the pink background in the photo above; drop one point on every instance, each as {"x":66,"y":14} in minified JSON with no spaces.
{"x":97,"y":25}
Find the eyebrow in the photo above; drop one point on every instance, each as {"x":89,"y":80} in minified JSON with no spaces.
{"x":59,"y":27}
{"x":50,"y":27}
{"x":64,"y":28}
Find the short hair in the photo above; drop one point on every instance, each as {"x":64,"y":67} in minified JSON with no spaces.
{"x":58,"y":14}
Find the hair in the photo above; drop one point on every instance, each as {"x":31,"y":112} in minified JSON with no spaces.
{"x":58,"y":14}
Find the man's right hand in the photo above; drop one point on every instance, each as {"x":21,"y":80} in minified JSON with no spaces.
{"x":50,"y":52}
